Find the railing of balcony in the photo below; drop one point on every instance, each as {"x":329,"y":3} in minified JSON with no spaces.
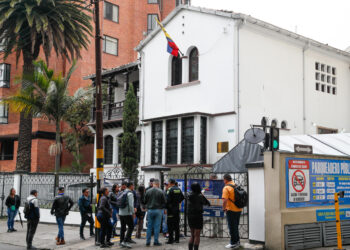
{"x":111,"y":111}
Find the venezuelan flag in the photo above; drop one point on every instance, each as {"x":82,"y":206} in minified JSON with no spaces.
{"x":172,"y":47}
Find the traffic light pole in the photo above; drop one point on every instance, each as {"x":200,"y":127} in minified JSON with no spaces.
{"x":99,"y":121}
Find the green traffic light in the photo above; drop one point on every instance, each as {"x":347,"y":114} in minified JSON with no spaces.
{"x":275,"y":144}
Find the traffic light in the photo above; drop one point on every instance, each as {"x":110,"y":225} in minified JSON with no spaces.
{"x":274,"y":139}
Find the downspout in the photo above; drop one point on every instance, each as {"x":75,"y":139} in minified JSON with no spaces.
{"x":236,"y":84}
{"x":306,"y":47}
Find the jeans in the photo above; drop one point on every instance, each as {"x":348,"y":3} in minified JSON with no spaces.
{"x":114,"y":216}
{"x":126,"y":220}
{"x":31,"y":228}
{"x":11,"y":217}
{"x":106,"y":228}
{"x":84,"y":219}
{"x":164,"y":224}
{"x":154,"y":217}
{"x":174,"y":226}
{"x":60,"y":223}
{"x":233,"y":222}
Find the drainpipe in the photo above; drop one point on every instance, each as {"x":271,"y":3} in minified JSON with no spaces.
{"x":306,"y":47}
{"x":236,"y":88}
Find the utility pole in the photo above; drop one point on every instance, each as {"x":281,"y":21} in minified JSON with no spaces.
{"x":99,"y":121}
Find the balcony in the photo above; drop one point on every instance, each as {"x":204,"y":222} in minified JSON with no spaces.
{"x":110,"y":112}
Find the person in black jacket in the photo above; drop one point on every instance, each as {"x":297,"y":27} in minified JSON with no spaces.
{"x":60,"y":208}
{"x":86,"y":213}
{"x":174,"y":197}
{"x":12,"y":202}
{"x":196,"y":201}
{"x":141,"y":210}
{"x":104,"y":214}
{"x":32,"y":218}
{"x":113,"y":197}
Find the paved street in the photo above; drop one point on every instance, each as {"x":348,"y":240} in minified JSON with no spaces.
{"x":46,"y":233}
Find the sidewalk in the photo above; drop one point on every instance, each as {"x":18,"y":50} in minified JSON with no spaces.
{"x":46,"y":233}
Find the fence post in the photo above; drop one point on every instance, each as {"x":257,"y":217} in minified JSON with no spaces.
{"x":185,"y":208}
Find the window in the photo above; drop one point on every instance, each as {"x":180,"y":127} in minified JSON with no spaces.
{"x":108,"y":150}
{"x":171,"y":141}
{"x":325,"y":74}
{"x":157,"y":142}
{"x":187,"y":142}
{"x":203,"y":139}
{"x":322,"y":130}
{"x":5,"y":71}
{"x":111,"y":12}
{"x":151,"y":22}
{"x":119,"y":138}
{"x":178,"y":2}
{"x":193,"y":70}
{"x":110,"y":45}
{"x":3,"y":113}
{"x":2,"y":45}
{"x":6,"y":150}
{"x":176,"y":71}
{"x":152,"y":1}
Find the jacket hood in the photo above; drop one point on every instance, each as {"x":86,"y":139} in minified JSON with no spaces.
{"x":31,"y":197}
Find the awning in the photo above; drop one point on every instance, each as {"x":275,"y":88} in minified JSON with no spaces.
{"x":238,"y":157}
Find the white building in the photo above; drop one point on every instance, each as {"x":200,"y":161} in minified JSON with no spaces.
{"x":236,"y":70}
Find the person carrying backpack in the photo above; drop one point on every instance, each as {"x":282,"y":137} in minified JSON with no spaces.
{"x":233,"y":212}
{"x":86,"y":213}
{"x":32,"y":214}
{"x":60,"y":208}
{"x":126,"y":214}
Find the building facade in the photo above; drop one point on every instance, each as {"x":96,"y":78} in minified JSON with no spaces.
{"x":123,"y":25}
{"x":235,"y":70}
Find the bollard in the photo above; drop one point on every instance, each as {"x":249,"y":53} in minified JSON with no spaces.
{"x":337,"y":218}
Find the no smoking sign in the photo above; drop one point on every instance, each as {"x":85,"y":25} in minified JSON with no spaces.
{"x":299,"y":181}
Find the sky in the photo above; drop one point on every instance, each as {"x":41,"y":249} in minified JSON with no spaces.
{"x":327,"y":21}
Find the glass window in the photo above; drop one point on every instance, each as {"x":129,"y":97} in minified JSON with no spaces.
{"x":119,"y":138}
{"x":3,"y":113}
{"x":176,"y":71}
{"x":152,"y":1}
{"x":111,"y":12}
{"x":187,"y":140}
{"x":6,"y":150}
{"x":171,"y":141}
{"x":110,"y":45}
{"x":5,"y":72}
{"x":203,"y":139}
{"x":151,"y":22}
{"x":108,"y":150}
{"x":193,"y":65}
{"x":157,"y":142}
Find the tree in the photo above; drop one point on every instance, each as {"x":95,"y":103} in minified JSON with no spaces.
{"x":46,"y":96}
{"x":130,"y":142}
{"x":26,"y":26}
{"x":77,"y":117}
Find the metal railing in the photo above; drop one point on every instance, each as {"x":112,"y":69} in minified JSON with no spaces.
{"x":111,"y":111}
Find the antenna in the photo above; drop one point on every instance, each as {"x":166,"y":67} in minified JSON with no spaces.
{"x":254,"y":135}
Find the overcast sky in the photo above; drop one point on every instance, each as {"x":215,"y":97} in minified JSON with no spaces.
{"x":327,"y":21}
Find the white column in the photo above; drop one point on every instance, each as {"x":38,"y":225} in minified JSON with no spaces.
{"x":197,"y":139}
{"x":164,"y":142}
{"x":179,"y":139}
{"x":115,"y":149}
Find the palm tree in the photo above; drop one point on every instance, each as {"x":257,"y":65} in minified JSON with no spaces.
{"x":46,"y":96}
{"x":26,"y":27}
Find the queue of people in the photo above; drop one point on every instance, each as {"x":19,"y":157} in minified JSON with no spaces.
{"x":131,"y":207}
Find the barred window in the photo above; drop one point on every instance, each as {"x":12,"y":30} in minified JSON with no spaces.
{"x":5,"y":72}
{"x":187,"y":140}
{"x":157,"y":142}
{"x":171,"y":141}
{"x":108,"y":150}
{"x":193,"y":69}
{"x":203,"y":139}
{"x":4,"y":113}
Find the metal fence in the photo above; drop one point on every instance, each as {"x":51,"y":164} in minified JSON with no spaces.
{"x":214,"y":226}
{"x":6,"y":183}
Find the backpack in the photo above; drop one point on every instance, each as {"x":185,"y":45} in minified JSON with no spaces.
{"x":122,"y":199}
{"x":241,"y":196}
{"x":27,"y":208}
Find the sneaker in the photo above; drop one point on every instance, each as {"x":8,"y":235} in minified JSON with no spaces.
{"x":169,"y":242}
{"x":9,"y":230}
{"x":131,"y":241}
{"x":125,"y":244}
{"x":82,"y":237}
{"x":13,"y":230}
{"x":92,"y":234}
{"x":157,"y":244}
{"x":237,"y":245}
{"x":177,"y":241}
{"x":109,"y":243}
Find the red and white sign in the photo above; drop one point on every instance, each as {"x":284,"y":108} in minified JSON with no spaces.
{"x":299,"y":180}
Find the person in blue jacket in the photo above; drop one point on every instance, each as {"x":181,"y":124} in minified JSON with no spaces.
{"x":86,"y":213}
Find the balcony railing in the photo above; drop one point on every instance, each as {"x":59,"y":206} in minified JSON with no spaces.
{"x":111,"y":111}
